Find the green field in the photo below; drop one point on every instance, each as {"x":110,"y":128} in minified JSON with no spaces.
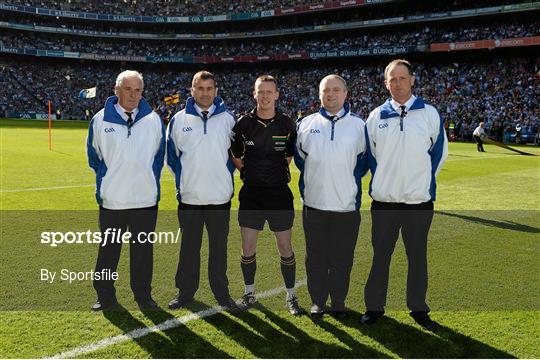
{"x":483,"y":256}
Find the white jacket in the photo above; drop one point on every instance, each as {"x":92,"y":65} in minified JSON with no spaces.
{"x":128,"y":168}
{"x":331,"y":158}
{"x":198,"y":155}
{"x":405,"y":154}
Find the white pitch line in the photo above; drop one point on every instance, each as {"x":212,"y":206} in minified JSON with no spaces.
{"x":454,"y":158}
{"x":58,"y":187}
{"x":164,"y":326}
{"x":47,"y":188}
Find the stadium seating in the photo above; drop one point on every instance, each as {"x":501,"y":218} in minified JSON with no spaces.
{"x":214,"y":7}
{"x":326,"y":42}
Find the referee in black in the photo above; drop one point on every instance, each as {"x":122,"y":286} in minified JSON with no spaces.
{"x":262,"y":148}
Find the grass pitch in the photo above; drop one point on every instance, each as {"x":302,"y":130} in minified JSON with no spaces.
{"x":483,"y":256}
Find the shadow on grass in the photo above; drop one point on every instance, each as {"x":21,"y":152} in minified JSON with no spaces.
{"x":356,"y":348}
{"x":288,"y":340}
{"x":508,"y":225}
{"x":460,"y":155}
{"x":408,"y":341}
{"x":275,"y":336}
{"x":178,"y":342}
{"x":61,"y":153}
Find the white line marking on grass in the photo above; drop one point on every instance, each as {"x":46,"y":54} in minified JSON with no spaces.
{"x":164,"y":326}
{"x":47,"y":188}
{"x":489,"y":157}
{"x":57,"y":187}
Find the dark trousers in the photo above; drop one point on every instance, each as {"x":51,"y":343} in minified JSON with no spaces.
{"x":479,"y":143}
{"x":330,"y":243}
{"x":414,"y":222}
{"x":141,"y":259}
{"x":192,"y":219}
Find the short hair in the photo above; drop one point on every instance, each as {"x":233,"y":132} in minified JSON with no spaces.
{"x":202,"y":75}
{"x":333,"y":76}
{"x":403,"y":62}
{"x":128,"y":74}
{"x":268,"y":78}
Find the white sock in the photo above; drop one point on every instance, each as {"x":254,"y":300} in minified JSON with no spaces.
{"x":250,"y":289}
{"x":290,"y":293}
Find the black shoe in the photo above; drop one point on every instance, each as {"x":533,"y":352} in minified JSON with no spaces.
{"x":229,"y":304}
{"x":105,"y":305}
{"x":292,"y":305}
{"x":148,"y":305}
{"x":371,"y":317}
{"x":179,"y":302}
{"x":422,"y":318}
{"x":339,"y":314}
{"x":247,"y":301}
{"x":316,"y":310}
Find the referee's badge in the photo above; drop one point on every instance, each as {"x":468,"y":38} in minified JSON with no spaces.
{"x":280,"y":142}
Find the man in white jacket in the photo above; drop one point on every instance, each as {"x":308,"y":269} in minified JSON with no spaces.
{"x":407,"y":146}
{"x":331,"y":155}
{"x":198,"y":143}
{"x":479,"y":133}
{"x":126,"y":148}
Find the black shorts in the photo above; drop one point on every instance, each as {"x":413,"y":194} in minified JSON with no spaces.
{"x":261,"y":204}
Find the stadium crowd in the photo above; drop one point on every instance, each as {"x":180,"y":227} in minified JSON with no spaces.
{"x":501,"y":93}
{"x":324,"y":42}
{"x":399,"y":9}
{"x":209,"y":7}
{"x":164,"y":7}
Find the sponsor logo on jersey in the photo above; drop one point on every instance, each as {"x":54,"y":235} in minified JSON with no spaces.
{"x":314,"y":131}
{"x":249,"y":143}
{"x":109,"y":130}
{"x":382,"y":126}
{"x":186,"y":129}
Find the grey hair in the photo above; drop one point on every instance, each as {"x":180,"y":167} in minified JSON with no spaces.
{"x":333,"y":76}
{"x":128,"y":74}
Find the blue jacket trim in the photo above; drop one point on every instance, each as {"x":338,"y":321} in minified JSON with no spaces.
{"x":300,"y":165}
{"x":359,"y":171}
{"x":436,"y":152}
{"x":387,"y":111}
{"x":94,"y":162}
{"x":233,"y":116}
{"x":99,"y":178}
{"x":157,"y":165}
{"x":173,"y":160}
{"x":324,"y":113}
{"x":231,"y":168}
{"x":218,"y":102}
{"x":93,"y":158}
{"x":371,"y":161}
{"x":112,"y":116}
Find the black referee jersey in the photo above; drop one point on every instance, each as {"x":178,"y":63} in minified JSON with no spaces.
{"x":264,"y":145}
